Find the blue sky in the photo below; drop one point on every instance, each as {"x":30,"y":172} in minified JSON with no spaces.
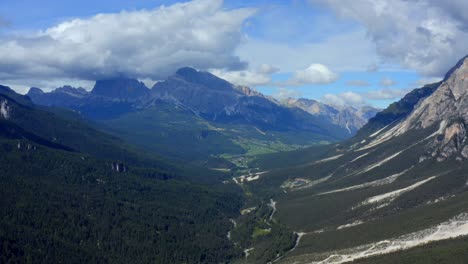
{"x":327,"y":50}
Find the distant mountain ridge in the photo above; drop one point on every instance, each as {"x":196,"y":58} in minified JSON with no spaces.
{"x":222,"y":115}
{"x":351,"y":118}
{"x":207,"y":95}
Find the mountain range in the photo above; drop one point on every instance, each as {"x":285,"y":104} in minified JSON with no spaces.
{"x":238,"y":118}
{"x":197,"y":170}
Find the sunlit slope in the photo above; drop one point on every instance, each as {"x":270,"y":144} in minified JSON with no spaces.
{"x":399,"y":184}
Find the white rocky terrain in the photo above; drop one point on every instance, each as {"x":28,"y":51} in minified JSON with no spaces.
{"x":4,"y":109}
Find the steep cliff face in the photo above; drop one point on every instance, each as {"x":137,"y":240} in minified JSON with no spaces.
{"x":445,"y":110}
{"x":123,"y":89}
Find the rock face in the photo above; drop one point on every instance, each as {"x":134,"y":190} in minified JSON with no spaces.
{"x":108,"y":99}
{"x":218,"y":100}
{"x":65,"y":96}
{"x":4,"y":109}
{"x":123,"y":89}
{"x":350,"y":118}
{"x":446,"y":108}
{"x":399,"y":110}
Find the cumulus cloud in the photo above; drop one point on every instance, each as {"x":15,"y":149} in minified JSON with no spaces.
{"x":141,"y":44}
{"x":429,"y":80}
{"x":342,"y":99}
{"x":314,"y":74}
{"x":373,"y":68}
{"x":387,"y":82}
{"x":284,"y":93}
{"x":427,"y":35}
{"x":358,"y":99}
{"x":359,"y":83}
{"x":267,"y":69}
{"x":261,"y":76}
{"x":245,"y":78}
{"x":386,"y":94}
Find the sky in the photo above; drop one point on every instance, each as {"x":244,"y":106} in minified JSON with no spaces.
{"x":360,"y":52}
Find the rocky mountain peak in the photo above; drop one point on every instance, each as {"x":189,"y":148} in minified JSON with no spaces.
{"x":449,"y":101}
{"x":67,"y":89}
{"x":203,"y":78}
{"x":446,"y":109}
{"x":248,"y":91}
{"x":347,"y":117}
{"x":35,"y":91}
{"x":120,"y":88}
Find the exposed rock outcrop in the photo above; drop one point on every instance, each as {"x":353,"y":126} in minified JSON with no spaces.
{"x":448,"y":107}
{"x":4,"y":109}
{"x":119,"y":167}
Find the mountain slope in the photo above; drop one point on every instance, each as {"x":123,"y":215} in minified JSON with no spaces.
{"x":398,"y":184}
{"x":67,"y":198}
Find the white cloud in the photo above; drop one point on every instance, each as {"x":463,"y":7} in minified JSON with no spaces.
{"x":342,"y":99}
{"x":387,"y":82}
{"x":426,"y":35}
{"x":358,"y":52}
{"x":22,"y":85}
{"x":142,"y":44}
{"x":245,"y":78}
{"x":267,"y":69}
{"x":360,"y":83}
{"x":386,"y":94}
{"x":373,"y":67}
{"x":284,"y":93}
{"x":314,"y":74}
{"x":358,"y":99}
{"x":429,"y":80}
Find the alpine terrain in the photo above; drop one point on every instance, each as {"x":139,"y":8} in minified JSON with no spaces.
{"x":209,"y":117}
{"x":394,"y":193}
{"x":234,"y":132}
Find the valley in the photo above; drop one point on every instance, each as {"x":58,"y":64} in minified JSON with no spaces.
{"x":233,"y":132}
